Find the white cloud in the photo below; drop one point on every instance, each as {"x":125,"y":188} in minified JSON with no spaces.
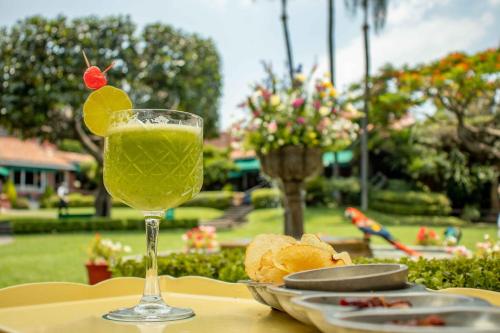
{"x":400,"y":43}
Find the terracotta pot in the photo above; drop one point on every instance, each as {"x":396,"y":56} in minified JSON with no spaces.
{"x":292,"y":165}
{"x":97,"y":272}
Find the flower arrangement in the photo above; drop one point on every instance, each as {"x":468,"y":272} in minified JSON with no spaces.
{"x":201,"y":239}
{"x":488,"y":248}
{"x":427,"y":237}
{"x":105,"y":251}
{"x":305,"y":113}
{"x":459,"y":251}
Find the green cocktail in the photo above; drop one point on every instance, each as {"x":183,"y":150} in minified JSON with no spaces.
{"x":155,"y":166}
{"x":153,"y":160}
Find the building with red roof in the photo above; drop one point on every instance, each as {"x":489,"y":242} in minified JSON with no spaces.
{"x":33,"y":165}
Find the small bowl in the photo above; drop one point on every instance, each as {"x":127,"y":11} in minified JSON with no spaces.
{"x":261,"y":294}
{"x":285,"y":296}
{"x":318,"y":307}
{"x":457,"y":319}
{"x":371,"y":277}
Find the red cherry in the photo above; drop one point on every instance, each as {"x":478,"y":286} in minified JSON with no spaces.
{"x":94,"y":78}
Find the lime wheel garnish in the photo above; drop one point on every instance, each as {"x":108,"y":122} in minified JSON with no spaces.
{"x":103,"y":101}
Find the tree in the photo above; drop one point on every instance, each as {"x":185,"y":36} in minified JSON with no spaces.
{"x":429,"y":152}
{"x":465,"y":88}
{"x":331,"y":62}
{"x":378,"y":9}
{"x":217,"y":165}
{"x":41,"y":88}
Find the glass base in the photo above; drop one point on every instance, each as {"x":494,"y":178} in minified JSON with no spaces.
{"x":150,"y":309}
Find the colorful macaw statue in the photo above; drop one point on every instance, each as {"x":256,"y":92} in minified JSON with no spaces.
{"x":370,"y":227}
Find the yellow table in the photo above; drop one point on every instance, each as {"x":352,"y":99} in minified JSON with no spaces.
{"x":219,"y":306}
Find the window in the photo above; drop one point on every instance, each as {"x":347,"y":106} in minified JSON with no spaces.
{"x":17,"y":177}
{"x":29,"y":178}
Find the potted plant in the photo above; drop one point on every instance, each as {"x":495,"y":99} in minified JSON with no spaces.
{"x":103,"y":254}
{"x":290,"y":127}
{"x":201,"y":239}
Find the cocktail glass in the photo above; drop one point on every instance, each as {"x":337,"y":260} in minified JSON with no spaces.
{"x":153,"y":161}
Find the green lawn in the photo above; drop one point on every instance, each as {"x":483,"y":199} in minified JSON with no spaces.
{"x":60,"y":257}
{"x":201,"y":213}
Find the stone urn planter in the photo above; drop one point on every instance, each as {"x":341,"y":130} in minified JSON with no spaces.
{"x":291,"y":165}
{"x":97,"y":272}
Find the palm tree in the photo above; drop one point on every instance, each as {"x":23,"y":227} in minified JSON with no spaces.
{"x":378,"y":9}
{"x":331,"y":61}
{"x":284,"y":18}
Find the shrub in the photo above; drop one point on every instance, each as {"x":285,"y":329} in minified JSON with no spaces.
{"x":47,"y":194}
{"x":74,"y":200}
{"x":320,"y":191}
{"x":40,"y":225}
{"x":470,"y":213}
{"x":458,"y":272}
{"x":211,"y":199}
{"x":398,"y":185}
{"x":10,"y":191}
{"x":227,"y":265}
{"x":266,"y":198}
{"x":410,"y":203}
{"x":21,"y":203}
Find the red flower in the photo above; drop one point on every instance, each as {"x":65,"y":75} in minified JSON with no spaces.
{"x":266,"y":94}
{"x":316,"y":104}
{"x":298,"y":102}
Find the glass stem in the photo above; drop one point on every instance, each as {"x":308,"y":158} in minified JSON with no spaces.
{"x":152,"y":291}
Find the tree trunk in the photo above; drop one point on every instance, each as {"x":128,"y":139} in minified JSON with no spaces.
{"x":331,"y":57}
{"x":284,"y":19}
{"x":494,"y":198}
{"x":102,"y":203}
{"x":364,"y":120}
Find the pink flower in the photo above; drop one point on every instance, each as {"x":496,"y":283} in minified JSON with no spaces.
{"x":298,"y":102}
{"x":301,"y":120}
{"x":266,"y":94}
{"x":272,"y":127}
{"x":316,"y":104}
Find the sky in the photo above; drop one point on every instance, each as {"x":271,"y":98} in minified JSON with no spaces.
{"x":248,"y":31}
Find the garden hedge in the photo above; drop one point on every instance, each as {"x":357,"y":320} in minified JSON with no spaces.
{"x":320,"y":191}
{"x":410,"y":203}
{"x":266,"y":198}
{"x":227,"y":265}
{"x":211,"y":199}
{"x":41,"y":225}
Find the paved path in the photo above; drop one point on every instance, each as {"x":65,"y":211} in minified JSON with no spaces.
{"x":4,"y":239}
{"x":430,"y":252}
{"x":232,"y":217}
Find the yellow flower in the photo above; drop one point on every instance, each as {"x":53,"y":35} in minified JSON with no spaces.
{"x":327,"y":84}
{"x":275,"y":100}
{"x":333,"y":92}
{"x":322,"y":94}
{"x":324,"y":111}
{"x":300,"y":77}
{"x":312,"y":135}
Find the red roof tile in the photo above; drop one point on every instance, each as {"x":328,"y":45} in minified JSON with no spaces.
{"x":32,"y":153}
